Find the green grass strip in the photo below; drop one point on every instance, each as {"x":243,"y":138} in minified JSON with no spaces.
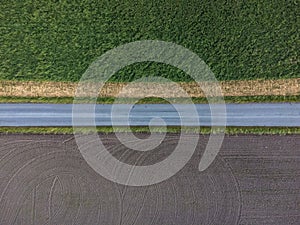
{"x":202,"y":130}
{"x":150,"y":100}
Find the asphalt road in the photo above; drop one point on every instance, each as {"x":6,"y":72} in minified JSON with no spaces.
{"x":281,"y":114}
{"x":253,"y":180}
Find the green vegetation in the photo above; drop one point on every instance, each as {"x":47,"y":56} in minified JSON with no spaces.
{"x":202,"y":130}
{"x":58,"y":39}
{"x":151,"y":100}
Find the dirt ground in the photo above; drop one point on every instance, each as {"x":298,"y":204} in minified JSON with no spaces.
{"x":284,"y":87}
{"x":254,"y":180}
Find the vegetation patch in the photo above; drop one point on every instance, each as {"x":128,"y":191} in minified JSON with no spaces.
{"x":198,"y":130}
{"x":58,"y":40}
{"x":151,"y":100}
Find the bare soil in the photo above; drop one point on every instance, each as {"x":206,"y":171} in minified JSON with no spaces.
{"x":284,"y":87}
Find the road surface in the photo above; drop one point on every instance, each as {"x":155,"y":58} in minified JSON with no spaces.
{"x":281,"y":114}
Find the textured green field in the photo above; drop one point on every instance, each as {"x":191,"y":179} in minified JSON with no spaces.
{"x":57,"y":40}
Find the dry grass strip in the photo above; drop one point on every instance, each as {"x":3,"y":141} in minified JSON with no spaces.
{"x":284,"y":87}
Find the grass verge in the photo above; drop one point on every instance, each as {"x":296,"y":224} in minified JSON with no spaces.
{"x":202,"y":130}
{"x":151,"y":100}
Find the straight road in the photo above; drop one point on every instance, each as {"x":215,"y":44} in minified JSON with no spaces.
{"x":279,"y":114}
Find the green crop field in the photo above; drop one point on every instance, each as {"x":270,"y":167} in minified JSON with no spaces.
{"x":238,"y":39}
